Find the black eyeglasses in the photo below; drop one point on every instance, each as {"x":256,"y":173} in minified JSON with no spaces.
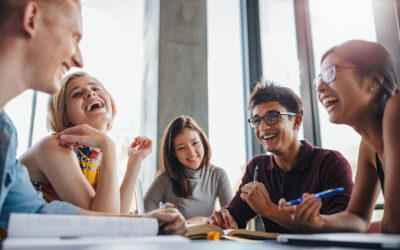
{"x":270,"y":118}
{"x":329,"y":74}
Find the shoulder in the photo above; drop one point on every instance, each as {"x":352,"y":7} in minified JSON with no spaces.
{"x":161,"y":176}
{"x":391,"y":115}
{"x":327,"y":153}
{"x":217,"y":171}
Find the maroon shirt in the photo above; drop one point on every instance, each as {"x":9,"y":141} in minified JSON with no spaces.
{"x":316,"y":170}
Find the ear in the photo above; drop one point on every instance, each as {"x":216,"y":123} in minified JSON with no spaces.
{"x":298,"y":119}
{"x":30,"y":18}
{"x":377,"y":80}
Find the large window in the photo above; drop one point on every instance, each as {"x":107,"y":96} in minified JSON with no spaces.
{"x":356,"y":22}
{"x":112,"y":52}
{"x":225,"y":85}
{"x":278,"y":44}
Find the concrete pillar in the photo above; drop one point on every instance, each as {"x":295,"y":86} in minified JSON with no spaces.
{"x":175,"y":70}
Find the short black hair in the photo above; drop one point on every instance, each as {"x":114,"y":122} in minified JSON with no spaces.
{"x":266,"y":91}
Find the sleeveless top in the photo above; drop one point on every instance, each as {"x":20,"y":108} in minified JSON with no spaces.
{"x":379,"y":168}
{"x":89,"y":160}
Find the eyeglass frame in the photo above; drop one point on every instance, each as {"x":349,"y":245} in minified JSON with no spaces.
{"x":320,"y":78}
{"x":266,"y":121}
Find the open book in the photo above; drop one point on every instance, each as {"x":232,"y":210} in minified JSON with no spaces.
{"x":45,"y":230}
{"x":200,"y":232}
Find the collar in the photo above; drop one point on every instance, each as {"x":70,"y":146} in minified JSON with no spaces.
{"x":306,"y":151}
{"x":193,"y":174}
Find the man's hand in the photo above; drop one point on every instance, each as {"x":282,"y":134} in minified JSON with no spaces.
{"x":257,"y":197}
{"x":223,"y":219}
{"x":170,"y":221}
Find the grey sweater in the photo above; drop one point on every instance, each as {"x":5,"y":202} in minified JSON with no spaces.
{"x":207,"y":184}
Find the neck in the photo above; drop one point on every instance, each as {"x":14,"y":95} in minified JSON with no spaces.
{"x":11,"y":73}
{"x":286,"y":160}
{"x":370,"y":129}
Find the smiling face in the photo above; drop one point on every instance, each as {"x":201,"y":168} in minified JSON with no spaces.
{"x":56,"y":46}
{"x":87,"y":102}
{"x":277,"y":138}
{"x":347,"y":95}
{"x":189,"y":149}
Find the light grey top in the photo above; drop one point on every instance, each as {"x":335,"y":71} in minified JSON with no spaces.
{"x":207,"y":184}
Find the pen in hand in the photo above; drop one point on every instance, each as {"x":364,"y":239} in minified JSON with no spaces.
{"x":255,"y":173}
{"x":317,"y":196}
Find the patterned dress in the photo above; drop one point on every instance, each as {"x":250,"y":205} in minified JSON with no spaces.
{"x":89,"y":160}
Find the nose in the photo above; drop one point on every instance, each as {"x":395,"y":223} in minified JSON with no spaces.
{"x":191,"y":152}
{"x":264,"y":125}
{"x":77,"y":58}
{"x":90,"y":93}
{"x":321,"y":86}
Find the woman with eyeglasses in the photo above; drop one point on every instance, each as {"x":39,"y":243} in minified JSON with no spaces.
{"x":358,"y":86}
{"x":187,"y":179}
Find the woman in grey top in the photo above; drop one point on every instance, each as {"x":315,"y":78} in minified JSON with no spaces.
{"x":188,"y":180}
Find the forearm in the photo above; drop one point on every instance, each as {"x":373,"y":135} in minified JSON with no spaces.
{"x":283,"y":219}
{"x":107,"y":197}
{"x":343,"y":222}
{"x":128,"y":185}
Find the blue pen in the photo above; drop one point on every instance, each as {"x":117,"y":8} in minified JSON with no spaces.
{"x":317,"y":196}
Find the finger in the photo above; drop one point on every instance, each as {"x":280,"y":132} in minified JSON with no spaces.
{"x":218,"y":219}
{"x":243,"y":196}
{"x":70,"y":139}
{"x":226,"y":216}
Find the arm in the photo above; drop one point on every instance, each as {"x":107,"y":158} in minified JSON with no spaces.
{"x":155,"y":193}
{"x":358,"y":213}
{"x":57,"y":162}
{"x":140,"y":148}
{"x":257,"y":197}
{"x":391,"y":144}
{"x":224,"y":188}
{"x":170,"y":220}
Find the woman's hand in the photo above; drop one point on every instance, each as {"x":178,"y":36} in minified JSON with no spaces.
{"x":86,"y":135}
{"x":140,"y":148}
{"x":306,"y":213}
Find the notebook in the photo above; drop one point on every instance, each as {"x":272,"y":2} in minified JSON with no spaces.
{"x":359,"y":240}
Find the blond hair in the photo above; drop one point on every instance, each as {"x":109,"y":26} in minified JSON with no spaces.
{"x":57,"y":104}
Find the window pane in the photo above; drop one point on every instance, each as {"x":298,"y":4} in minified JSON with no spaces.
{"x":19,"y":110}
{"x":355,"y":22}
{"x":225,"y":86}
{"x":278,"y":44}
{"x":112,"y":52}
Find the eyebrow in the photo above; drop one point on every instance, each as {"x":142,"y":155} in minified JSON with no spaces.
{"x":182,"y":144}
{"x":77,"y":87}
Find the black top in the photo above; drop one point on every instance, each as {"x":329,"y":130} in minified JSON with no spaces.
{"x":381,"y":174}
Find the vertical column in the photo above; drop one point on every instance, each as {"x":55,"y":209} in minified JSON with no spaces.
{"x":175,"y":77}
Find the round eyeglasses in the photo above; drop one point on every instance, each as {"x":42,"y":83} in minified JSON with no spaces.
{"x":329,"y":74}
{"x":271,"y":118}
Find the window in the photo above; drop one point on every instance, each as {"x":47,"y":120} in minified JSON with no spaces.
{"x":356,"y":22}
{"x":278,"y":44}
{"x":225,"y":86}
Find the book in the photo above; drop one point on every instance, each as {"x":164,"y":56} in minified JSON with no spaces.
{"x":45,"y":230}
{"x":200,"y":232}
{"x":67,"y":226}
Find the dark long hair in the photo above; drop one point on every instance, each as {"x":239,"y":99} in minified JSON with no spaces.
{"x":175,"y":170}
{"x":370,"y":57}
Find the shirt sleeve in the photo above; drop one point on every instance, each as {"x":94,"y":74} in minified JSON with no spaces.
{"x":239,"y":209}
{"x":155,"y":193}
{"x":224,"y":188}
{"x":59,"y":207}
{"x":336,"y":173}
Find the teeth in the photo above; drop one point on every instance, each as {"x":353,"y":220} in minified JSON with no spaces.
{"x":327,"y":100}
{"x":89,"y":107}
{"x":268,"y":137}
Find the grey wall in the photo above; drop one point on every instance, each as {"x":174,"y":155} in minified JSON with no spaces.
{"x":175,"y":78}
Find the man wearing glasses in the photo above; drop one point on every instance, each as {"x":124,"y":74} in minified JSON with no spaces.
{"x":292,"y":168}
